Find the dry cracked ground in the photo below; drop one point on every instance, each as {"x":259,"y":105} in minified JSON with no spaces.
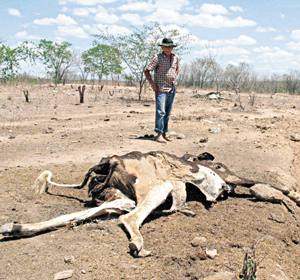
{"x":54,"y":132}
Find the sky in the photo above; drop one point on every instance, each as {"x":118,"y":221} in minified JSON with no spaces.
{"x":265,"y":34}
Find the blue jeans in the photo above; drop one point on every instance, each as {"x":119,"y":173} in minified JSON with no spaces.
{"x":164,"y":102}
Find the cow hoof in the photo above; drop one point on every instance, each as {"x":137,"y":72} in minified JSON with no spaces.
{"x":133,"y":249}
{"x":136,"y":253}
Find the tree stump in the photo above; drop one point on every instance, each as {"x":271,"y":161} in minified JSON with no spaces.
{"x":26,"y":95}
{"x":81,"y":90}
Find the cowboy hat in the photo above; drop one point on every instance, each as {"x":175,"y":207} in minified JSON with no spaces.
{"x":167,"y":42}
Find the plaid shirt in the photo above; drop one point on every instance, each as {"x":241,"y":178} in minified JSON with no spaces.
{"x":165,"y":71}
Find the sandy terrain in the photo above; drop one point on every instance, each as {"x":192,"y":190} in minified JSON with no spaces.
{"x":54,"y":132}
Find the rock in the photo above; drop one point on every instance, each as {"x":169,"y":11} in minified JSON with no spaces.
{"x":203,"y":140}
{"x":199,"y":241}
{"x":295,"y":137}
{"x":66,"y":274}
{"x":276,"y":218}
{"x":199,"y":255}
{"x":11,"y":137}
{"x":69,"y":259}
{"x":295,"y":197}
{"x":180,"y":136}
{"x":215,"y":130}
{"x":83,"y":271}
{"x":286,"y":182}
{"x":221,"y":276}
{"x":211,"y":253}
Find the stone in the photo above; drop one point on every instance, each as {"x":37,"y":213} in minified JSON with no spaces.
{"x":69,"y":259}
{"x":276,"y":218}
{"x":215,"y":130}
{"x":211,"y":253}
{"x":221,"y":276}
{"x":66,"y":274}
{"x":295,"y":197}
{"x":180,"y":136}
{"x":199,"y":255}
{"x":203,"y":140}
{"x":295,"y":137}
{"x":199,"y":241}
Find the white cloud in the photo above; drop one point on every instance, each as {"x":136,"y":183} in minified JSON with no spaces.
{"x":282,"y":16}
{"x":295,"y":46}
{"x":213,"y":9}
{"x":275,"y":59}
{"x":137,"y":6}
{"x":81,"y":12}
{"x":279,"y":38}
{"x":134,"y":19}
{"x":177,"y":5}
{"x":25,"y":36}
{"x":295,"y":35}
{"x":273,"y":53}
{"x":217,"y":21}
{"x":220,"y":51}
{"x":236,"y":9}
{"x":242,"y":40}
{"x":61,"y":19}
{"x":14,"y":12}
{"x":165,"y":16}
{"x":106,"y":17}
{"x":85,"y":2}
{"x":265,"y":29}
{"x":105,"y":28}
{"x":71,"y":31}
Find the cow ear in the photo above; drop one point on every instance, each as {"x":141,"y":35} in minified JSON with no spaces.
{"x":205,"y":156}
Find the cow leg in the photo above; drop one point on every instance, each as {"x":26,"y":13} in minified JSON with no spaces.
{"x":133,"y":220}
{"x":179,"y":196}
{"x":117,"y":206}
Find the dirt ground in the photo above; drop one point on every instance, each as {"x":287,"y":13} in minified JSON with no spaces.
{"x":54,"y":132}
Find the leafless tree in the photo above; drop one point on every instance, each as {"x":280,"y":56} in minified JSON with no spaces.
{"x":292,"y":82}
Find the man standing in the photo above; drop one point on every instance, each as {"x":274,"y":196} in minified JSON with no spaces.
{"x":166,"y":67}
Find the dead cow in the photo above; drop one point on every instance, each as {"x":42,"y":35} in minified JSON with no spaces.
{"x":135,"y":184}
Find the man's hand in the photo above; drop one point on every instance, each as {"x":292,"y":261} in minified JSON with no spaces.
{"x":151,"y":82}
{"x":155,"y":88}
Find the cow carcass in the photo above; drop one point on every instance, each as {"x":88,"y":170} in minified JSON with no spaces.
{"x":134,"y":185}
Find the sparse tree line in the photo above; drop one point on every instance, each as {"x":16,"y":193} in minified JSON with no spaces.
{"x":207,"y":73}
{"x":124,"y":57}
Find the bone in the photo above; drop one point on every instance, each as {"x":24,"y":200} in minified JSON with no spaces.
{"x":117,"y":206}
